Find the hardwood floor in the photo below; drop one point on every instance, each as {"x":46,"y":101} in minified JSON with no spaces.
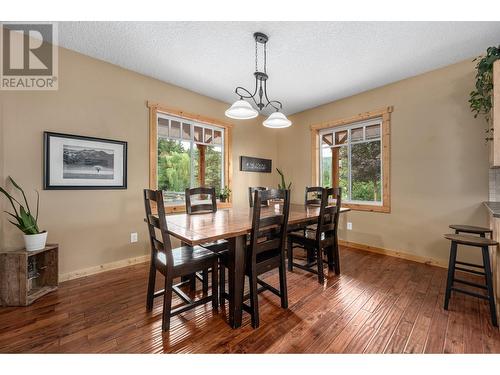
{"x":378,"y":304}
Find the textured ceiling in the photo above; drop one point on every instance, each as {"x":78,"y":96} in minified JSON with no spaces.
{"x":309,"y":63}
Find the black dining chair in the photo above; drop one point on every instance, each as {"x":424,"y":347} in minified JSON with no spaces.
{"x":322,"y":239}
{"x":200,"y":206}
{"x":266,"y":250}
{"x":313,"y":195}
{"x":251,"y":191}
{"x":173,"y":263}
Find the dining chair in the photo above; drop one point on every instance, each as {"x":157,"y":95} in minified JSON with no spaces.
{"x":266,"y":250}
{"x":322,"y":239}
{"x":201,"y":206}
{"x":173,"y":263}
{"x":313,"y":195}
{"x":251,"y":191}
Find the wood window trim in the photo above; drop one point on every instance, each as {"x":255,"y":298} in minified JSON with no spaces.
{"x":385,"y":114}
{"x":154,"y":109}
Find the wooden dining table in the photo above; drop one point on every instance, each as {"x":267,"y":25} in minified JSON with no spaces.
{"x":233,"y":225}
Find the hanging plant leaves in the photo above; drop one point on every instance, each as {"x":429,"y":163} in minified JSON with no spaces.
{"x":480,"y":99}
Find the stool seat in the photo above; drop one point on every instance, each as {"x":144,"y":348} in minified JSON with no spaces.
{"x":470,"y":240}
{"x":470,"y":229}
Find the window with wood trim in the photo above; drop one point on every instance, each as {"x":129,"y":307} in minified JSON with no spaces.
{"x":354,"y":155}
{"x":187,"y":151}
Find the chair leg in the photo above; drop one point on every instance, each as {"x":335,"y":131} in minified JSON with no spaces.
{"x":289,"y":253}
{"x":215,"y":286}
{"x":254,"y":299}
{"x":336,"y":256}
{"x":489,"y":285}
{"x":310,"y":254}
{"x":204,"y":275}
{"x":191,"y":278}
{"x":451,"y":273}
{"x":192,"y":282}
{"x":222,"y":284}
{"x":151,"y":287}
{"x":329,"y":256}
{"x":319,"y":261}
{"x":167,"y":304}
{"x":283,"y":288}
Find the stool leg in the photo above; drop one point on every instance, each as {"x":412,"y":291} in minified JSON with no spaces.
{"x":451,"y":273}
{"x":489,"y":285}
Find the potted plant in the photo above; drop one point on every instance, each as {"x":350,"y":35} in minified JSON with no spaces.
{"x":480,"y":100}
{"x":34,"y":239}
{"x":225,"y":194}
{"x":283,"y":185}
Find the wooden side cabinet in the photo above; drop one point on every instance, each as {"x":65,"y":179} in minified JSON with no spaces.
{"x":26,"y":276}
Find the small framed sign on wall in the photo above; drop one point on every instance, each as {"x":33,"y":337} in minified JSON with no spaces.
{"x":250,"y":164}
{"x":82,"y":163}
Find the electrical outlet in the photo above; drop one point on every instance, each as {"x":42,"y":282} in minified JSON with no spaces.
{"x":349,"y":225}
{"x":133,"y":237}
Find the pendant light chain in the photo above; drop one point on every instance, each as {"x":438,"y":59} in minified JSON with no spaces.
{"x":256,"y":60}
{"x":265,"y":58}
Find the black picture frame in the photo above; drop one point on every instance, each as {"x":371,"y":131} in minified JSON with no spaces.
{"x":48,"y":185}
{"x":259,"y":165}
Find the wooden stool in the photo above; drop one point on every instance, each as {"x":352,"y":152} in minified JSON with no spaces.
{"x":474,"y":241}
{"x":471,"y":229}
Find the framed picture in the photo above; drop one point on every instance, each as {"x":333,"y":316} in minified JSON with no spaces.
{"x":83,"y":163}
{"x":250,"y":164}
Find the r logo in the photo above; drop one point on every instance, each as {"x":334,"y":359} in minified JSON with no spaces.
{"x":29,"y":57}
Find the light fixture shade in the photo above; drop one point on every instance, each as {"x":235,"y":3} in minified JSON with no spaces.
{"x":241,"y":110}
{"x":277,"y":120}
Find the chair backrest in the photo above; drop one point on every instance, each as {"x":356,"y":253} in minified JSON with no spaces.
{"x":160,"y":245}
{"x":203,"y":207}
{"x":328,"y":219}
{"x":269,"y":232}
{"x":251,"y":192}
{"x":313,"y":195}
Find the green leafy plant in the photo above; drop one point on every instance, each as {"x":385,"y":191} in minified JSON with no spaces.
{"x":480,"y":99}
{"x":283,"y":185}
{"x":24,"y":220}
{"x":225,"y":193}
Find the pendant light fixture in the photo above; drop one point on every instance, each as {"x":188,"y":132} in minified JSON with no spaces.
{"x":242,"y":109}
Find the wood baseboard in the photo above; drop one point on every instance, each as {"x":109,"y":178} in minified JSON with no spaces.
{"x":103,"y":268}
{"x":394,"y":253}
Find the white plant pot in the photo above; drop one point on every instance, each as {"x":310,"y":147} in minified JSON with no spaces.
{"x":33,"y":242}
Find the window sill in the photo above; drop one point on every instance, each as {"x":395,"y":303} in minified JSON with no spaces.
{"x":182,"y":208}
{"x":367,"y":207}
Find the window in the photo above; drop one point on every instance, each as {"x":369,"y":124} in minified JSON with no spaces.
{"x":355,"y":156}
{"x":186,"y":151}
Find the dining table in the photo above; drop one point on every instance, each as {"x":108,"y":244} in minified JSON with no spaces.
{"x":233,"y":225}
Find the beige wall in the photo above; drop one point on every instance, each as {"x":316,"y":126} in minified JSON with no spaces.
{"x":102,"y":100}
{"x":439,"y":160}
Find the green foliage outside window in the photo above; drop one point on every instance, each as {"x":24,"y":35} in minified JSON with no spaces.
{"x":174,"y":168}
{"x":365,"y":172}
